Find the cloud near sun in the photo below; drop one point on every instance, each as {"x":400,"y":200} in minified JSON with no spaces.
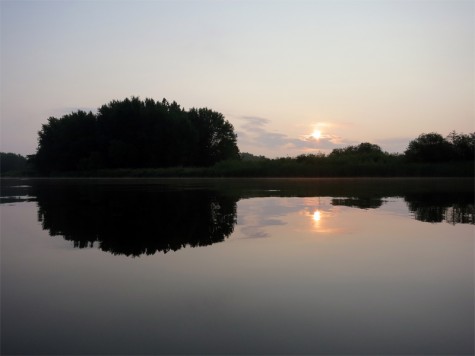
{"x":254,"y":133}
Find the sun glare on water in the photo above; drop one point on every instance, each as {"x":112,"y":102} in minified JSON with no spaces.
{"x":316,"y":216}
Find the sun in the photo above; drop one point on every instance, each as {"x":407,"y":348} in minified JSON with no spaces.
{"x":316,"y":134}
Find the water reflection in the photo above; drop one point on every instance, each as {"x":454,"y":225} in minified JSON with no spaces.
{"x":453,"y":208}
{"x":359,"y":202}
{"x":144,"y":217}
{"x":134,"y":221}
{"x":318,"y":213}
{"x":316,"y":216}
{"x":320,"y":220}
{"x":329,"y":275}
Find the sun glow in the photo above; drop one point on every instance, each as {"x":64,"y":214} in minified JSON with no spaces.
{"x":318,"y":224}
{"x":316,"y":216}
{"x":316,"y":134}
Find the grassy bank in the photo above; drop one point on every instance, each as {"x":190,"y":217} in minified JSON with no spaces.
{"x":289,"y":167}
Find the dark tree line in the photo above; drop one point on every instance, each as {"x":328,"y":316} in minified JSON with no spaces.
{"x":428,"y":148}
{"x":133,"y":137}
{"x":12,"y":162}
{"x":364,"y":152}
{"x":135,"y":134}
{"x":428,"y":155}
{"x":433,"y":147}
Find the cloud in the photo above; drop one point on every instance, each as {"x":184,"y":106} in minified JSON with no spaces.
{"x":253,"y":134}
{"x":324,"y":142}
{"x":257,"y":217}
{"x":254,"y":123}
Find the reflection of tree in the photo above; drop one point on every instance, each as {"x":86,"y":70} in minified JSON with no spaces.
{"x":136,"y":221}
{"x":455,"y":208}
{"x":460,"y":214}
{"x":135,"y":217}
{"x":359,"y":202}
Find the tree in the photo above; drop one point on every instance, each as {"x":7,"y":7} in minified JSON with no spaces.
{"x":64,"y":143}
{"x":463,"y":145}
{"x":135,"y":134}
{"x":249,"y":157}
{"x":12,"y":162}
{"x":214,"y":137}
{"x":431,"y":147}
{"x":363,"y":152}
{"x":362,"y":148}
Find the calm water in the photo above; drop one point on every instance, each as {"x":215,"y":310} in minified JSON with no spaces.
{"x":237,"y":266}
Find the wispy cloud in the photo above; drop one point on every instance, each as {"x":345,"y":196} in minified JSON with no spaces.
{"x":253,"y":133}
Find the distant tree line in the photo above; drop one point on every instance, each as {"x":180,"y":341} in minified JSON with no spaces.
{"x":12,"y":162}
{"x":151,"y":138}
{"x":432,"y":147}
{"x":135,"y":134}
{"x":428,"y":155}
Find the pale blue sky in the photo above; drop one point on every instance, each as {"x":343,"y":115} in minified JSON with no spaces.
{"x":376,"y":71}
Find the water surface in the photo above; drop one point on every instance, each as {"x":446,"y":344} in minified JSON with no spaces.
{"x":320,"y":266}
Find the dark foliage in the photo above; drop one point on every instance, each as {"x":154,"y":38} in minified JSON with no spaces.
{"x":148,"y":138}
{"x":135,"y":134}
{"x":432,"y":147}
{"x":12,"y":163}
{"x":363,"y":152}
{"x":463,"y":145}
{"x":64,"y":144}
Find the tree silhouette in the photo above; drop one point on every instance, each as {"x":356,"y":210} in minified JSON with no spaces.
{"x":64,"y":143}
{"x":463,"y":145}
{"x":431,"y":147}
{"x":363,"y":152}
{"x":135,"y":134}
{"x":11,"y":162}
{"x":214,"y":137}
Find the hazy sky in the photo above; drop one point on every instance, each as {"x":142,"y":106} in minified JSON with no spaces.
{"x":357,"y":71}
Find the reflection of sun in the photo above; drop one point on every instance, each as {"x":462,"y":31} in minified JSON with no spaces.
{"x":316,"y":216}
{"x":320,"y":216}
{"x":316,"y":134}
{"x":321,"y":221}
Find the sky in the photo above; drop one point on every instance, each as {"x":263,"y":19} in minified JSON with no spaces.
{"x":349,"y":71}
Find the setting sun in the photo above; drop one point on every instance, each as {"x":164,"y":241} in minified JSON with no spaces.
{"x":316,"y":134}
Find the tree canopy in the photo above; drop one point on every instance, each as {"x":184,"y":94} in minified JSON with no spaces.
{"x":12,"y":162}
{"x":135,"y":134}
{"x":433,"y":147}
{"x":147,"y":137}
{"x":364,"y":151}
